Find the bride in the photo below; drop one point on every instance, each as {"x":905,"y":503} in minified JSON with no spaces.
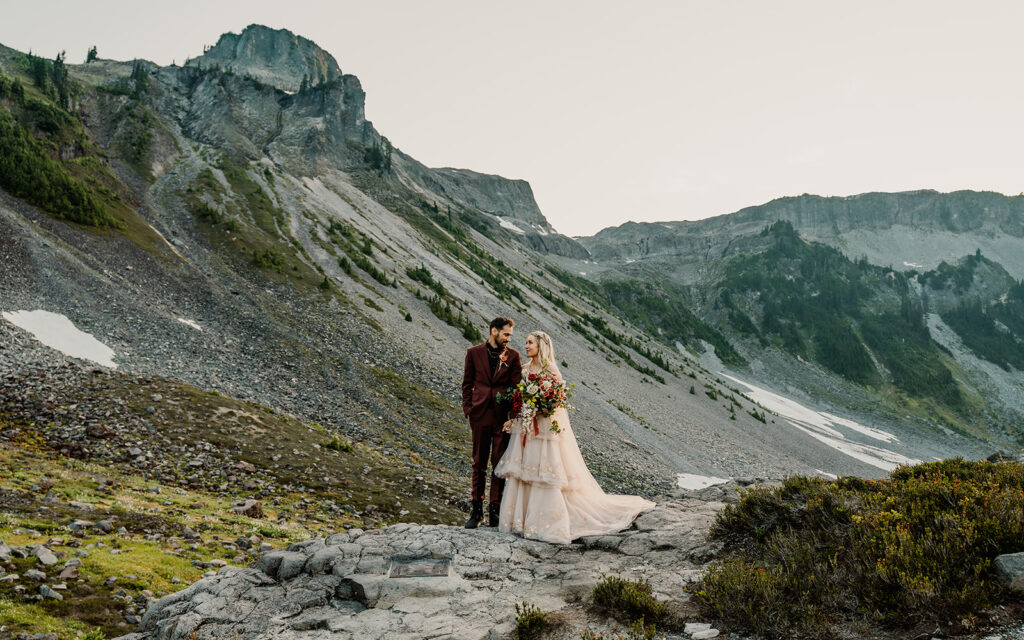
{"x":550,"y":494}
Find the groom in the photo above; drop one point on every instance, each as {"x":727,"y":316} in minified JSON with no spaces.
{"x":491,"y":368}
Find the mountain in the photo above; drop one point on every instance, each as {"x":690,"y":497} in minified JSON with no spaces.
{"x":910,"y":230}
{"x":258,"y":308}
{"x":913,"y":296}
{"x":238,"y":224}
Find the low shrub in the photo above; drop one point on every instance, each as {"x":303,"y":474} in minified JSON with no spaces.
{"x":531,"y":622}
{"x":335,"y":444}
{"x":628,"y":600}
{"x":812,"y":555}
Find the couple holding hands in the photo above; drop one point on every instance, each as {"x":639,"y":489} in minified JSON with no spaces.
{"x":540,"y":485}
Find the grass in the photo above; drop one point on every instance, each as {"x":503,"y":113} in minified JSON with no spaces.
{"x":398,"y":482}
{"x":18,"y":618}
{"x":813,"y":557}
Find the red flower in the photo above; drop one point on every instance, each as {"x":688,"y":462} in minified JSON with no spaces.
{"x":532,"y":377}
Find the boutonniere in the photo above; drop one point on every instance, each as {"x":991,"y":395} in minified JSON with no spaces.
{"x":503,"y":358}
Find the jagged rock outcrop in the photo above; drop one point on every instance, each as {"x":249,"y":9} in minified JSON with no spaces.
{"x":340,"y":587}
{"x":307,"y":132}
{"x":276,"y":57}
{"x":556,"y":243}
{"x":491,"y":194}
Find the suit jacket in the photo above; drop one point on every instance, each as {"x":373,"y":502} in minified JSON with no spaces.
{"x":479,"y":387}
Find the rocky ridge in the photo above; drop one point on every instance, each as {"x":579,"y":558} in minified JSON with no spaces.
{"x":339,"y":586}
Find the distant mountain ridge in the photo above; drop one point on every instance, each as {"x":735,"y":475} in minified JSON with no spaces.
{"x":907,"y":230}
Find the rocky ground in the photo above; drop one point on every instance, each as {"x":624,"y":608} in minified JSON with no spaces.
{"x":340,"y":587}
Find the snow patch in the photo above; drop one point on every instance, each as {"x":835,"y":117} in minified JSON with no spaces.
{"x":826,"y":474}
{"x":58,"y":332}
{"x":913,"y":265}
{"x":694,"y":482}
{"x":191,"y":323}
{"x":826,"y":428}
{"x":511,"y":226}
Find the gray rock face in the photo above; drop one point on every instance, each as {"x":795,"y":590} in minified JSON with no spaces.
{"x":277,"y":57}
{"x":341,"y":589}
{"x":1011,"y":570}
{"x":557,"y":244}
{"x":502,"y":197}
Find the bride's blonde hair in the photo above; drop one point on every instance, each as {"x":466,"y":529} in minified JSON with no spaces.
{"x":545,"y":351}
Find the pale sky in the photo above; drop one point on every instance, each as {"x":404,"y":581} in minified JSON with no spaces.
{"x":617,"y":111}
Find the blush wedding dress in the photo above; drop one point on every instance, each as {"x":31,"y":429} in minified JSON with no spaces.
{"x":550,"y":494}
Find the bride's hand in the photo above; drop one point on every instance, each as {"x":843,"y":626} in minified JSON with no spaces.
{"x":507,"y":427}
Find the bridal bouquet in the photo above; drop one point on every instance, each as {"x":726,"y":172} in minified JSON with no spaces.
{"x":539,"y":394}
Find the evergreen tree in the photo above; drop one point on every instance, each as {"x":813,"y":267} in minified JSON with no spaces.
{"x":38,"y":71}
{"x":140,"y":80}
{"x":89,"y":57}
{"x":59,"y":75}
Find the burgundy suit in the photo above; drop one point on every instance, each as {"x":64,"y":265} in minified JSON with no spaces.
{"x":486,"y":417}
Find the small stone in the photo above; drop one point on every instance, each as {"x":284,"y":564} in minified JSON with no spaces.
{"x":175,"y":580}
{"x":10,"y":578}
{"x":77,"y":524}
{"x":250,"y":508}
{"x":69,"y":573}
{"x":189,"y":534}
{"x":35,"y":574}
{"x":46,"y":557}
{"x":47,"y":592}
{"x":695,"y":627}
{"x":135,"y":452}
{"x":705,"y":635}
{"x":245,"y":467}
{"x":99,"y":431}
{"x":106,"y":526}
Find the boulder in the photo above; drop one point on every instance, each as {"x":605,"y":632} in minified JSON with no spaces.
{"x":1011,"y":570}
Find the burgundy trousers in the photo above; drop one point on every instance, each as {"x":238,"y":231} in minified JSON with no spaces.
{"x":489,"y":444}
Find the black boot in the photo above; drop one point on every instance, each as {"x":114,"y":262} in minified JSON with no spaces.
{"x":493,"y":509}
{"x":476,"y":516}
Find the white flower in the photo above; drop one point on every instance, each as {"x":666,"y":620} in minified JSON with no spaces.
{"x":532,"y":389}
{"x":545,"y":385}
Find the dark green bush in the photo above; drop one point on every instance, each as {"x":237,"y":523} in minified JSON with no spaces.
{"x":531,"y":622}
{"x":268,"y":259}
{"x":812,"y":555}
{"x":336,"y":444}
{"x":628,"y":600}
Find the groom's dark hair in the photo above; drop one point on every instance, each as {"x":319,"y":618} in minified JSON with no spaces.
{"x":500,"y":322}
